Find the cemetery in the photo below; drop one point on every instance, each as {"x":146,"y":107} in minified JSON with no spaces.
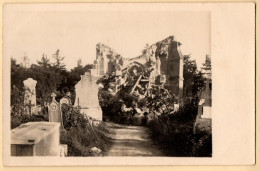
{"x":55,"y":112}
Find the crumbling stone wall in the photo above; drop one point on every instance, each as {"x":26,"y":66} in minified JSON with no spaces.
{"x":168,"y":63}
{"x":171,"y":64}
{"x":165,"y":57}
{"x":106,"y":60}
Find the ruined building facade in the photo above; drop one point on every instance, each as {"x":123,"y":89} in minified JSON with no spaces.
{"x":165,"y":56}
{"x":106,"y":60}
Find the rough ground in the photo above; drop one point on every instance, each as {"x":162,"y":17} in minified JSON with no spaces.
{"x":131,"y":141}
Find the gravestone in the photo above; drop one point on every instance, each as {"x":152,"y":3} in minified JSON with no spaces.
{"x":66,"y":99}
{"x":87,"y":96}
{"x":54,"y":111}
{"x":203,"y":120}
{"x":30,"y":96}
{"x":65,"y":104}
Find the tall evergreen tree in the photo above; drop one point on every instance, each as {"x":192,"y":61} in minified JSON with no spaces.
{"x":58,"y":61}
{"x":193,"y":79}
{"x":206,"y":69}
{"x":44,"y":62}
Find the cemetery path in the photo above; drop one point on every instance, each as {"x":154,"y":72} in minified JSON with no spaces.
{"x":131,"y":141}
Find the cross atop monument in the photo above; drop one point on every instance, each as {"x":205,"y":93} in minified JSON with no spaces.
{"x":53,"y":95}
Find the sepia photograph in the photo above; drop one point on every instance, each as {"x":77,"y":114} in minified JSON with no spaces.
{"x":101,"y":81}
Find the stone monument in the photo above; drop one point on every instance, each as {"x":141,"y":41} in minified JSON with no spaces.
{"x":66,"y":99}
{"x":30,"y":95}
{"x":87,"y":96}
{"x":36,"y":139}
{"x":55,"y":111}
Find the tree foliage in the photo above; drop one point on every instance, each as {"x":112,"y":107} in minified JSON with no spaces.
{"x":44,"y":62}
{"x":59,"y":65}
{"x":206,"y":69}
{"x":50,"y":78}
{"x":193,"y":79}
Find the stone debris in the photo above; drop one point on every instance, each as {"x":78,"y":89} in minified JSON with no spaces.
{"x":149,"y":99}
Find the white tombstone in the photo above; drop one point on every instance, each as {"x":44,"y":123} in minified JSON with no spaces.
{"x":30,"y":94}
{"x":87,"y":96}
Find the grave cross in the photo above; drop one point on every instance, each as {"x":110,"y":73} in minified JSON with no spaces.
{"x":190,"y":98}
{"x":53,"y":95}
{"x":79,"y":107}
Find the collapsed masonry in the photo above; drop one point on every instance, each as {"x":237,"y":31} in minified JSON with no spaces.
{"x":164,"y":58}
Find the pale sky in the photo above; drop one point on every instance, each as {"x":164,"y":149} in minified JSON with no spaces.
{"x":76,"y":29}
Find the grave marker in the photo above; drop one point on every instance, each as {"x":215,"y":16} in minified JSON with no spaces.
{"x":66,"y":99}
{"x":55,"y":111}
{"x":87,"y":96}
{"x":36,"y":139}
{"x":29,"y":96}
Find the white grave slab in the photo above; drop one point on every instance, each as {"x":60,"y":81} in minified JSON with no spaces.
{"x":36,"y":139}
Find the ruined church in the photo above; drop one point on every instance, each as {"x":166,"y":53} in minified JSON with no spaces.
{"x":165,"y":57}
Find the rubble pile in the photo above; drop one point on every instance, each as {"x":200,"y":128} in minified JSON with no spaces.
{"x":133,"y":98}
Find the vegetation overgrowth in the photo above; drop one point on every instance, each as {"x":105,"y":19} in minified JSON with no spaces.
{"x":82,"y":134}
{"x":174,"y":134}
{"x":50,"y":77}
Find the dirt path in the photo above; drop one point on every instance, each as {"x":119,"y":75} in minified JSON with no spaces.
{"x":131,"y":141}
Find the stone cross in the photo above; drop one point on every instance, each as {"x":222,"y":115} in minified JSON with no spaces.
{"x":53,"y":95}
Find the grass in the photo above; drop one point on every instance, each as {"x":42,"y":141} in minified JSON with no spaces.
{"x":81,"y":140}
{"x":81,"y":135}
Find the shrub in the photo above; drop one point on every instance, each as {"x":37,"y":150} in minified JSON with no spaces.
{"x":203,"y":145}
{"x":174,"y":133}
{"x":81,"y":135}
